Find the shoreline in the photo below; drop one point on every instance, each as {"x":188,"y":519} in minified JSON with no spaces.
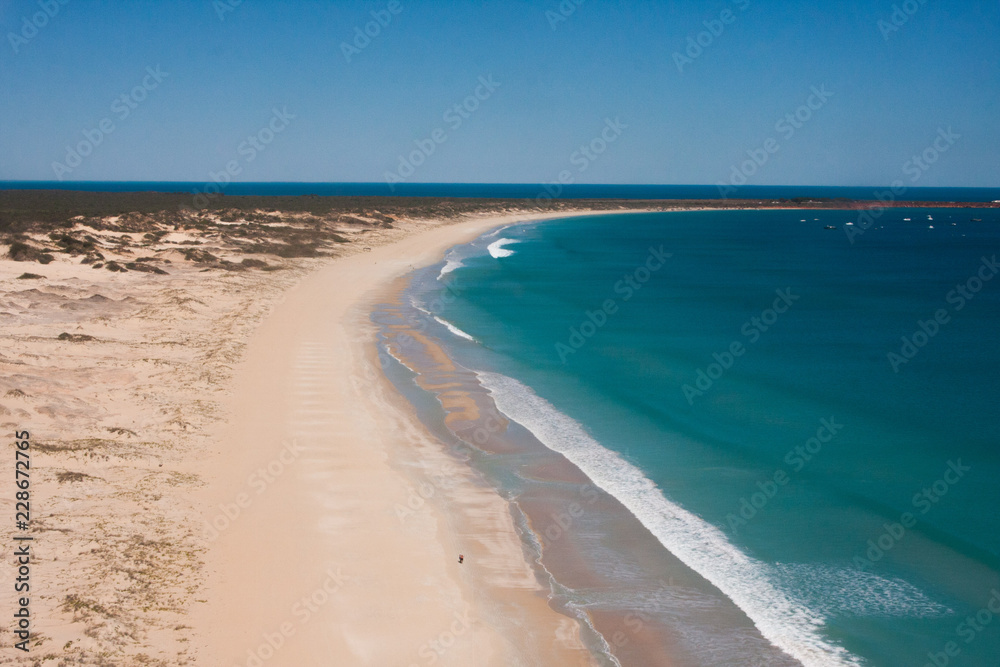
{"x":573,"y":526}
{"x":321,"y":541}
{"x":127,"y":380}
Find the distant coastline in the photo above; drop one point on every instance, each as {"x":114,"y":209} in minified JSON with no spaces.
{"x":38,"y":224}
{"x":35,"y":206}
{"x":538,"y":192}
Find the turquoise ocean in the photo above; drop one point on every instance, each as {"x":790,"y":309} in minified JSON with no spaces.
{"x":805,"y":416}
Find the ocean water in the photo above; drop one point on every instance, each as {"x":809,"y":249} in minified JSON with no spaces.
{"x":506,"y":190}
{"x":806,"y":417}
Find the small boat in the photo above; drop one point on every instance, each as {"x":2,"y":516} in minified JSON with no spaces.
{"x":930,"y":226}
{"x":832,"y":226}
{"x":906,"y":219}
{"x":977,"y":219}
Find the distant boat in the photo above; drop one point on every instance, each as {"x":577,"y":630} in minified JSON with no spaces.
{"x":850,"y":224}
{"x":833,"y":227}
{"x":977,"y":219}
{"x":906,"y":219}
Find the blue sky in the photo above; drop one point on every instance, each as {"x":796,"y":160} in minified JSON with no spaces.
{"x":227,"y":67}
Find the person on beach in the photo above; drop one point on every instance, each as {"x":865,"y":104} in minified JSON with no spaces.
{"x":461,"y":558}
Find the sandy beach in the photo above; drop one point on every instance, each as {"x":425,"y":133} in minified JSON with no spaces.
{"x":222,"y":475}
{"x":336,"y":521}
{"x":117,"y":377}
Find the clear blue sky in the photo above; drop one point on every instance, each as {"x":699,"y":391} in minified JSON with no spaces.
{"x":559,"y":82}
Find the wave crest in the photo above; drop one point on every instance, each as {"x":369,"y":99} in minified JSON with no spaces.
{"x":497,"y":250}
{"x":455,"y":330}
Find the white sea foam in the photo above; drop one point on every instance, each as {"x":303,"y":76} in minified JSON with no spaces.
{"x":788,"y":624}
{"x":455,"y":330}
{"x":496,"y":231}
{"x":450,"y":264}
{"x":497,"y":249}
{"x":388,"y":350}
{"x":841,"y":590}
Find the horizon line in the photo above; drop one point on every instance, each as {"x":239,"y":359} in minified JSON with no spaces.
{"x":510,"y":183}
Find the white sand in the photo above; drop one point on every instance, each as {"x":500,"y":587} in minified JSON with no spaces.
{"x":319,"y":567}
